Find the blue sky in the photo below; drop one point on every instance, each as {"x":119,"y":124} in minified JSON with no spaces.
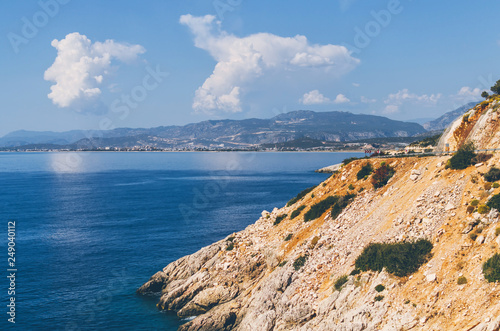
{"x":74,"y":64}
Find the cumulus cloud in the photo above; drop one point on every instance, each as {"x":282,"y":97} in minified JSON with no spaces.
{"x":341,"y":99}
{"x":242,"y":60}
{"x":468,"y":94}
{"x":80,"y":67}
{"x":396,"y":100}
{"x":314,"y":98}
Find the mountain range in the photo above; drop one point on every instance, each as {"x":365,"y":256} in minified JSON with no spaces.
{"x":325,"y":126}
{"x":331,"y":126}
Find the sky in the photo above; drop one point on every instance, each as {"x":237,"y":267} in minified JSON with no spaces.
{"x":92,"y":65}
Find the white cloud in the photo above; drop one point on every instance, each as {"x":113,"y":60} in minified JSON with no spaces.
{"x":314,"y":97}
{"x":404,"y":95}
{"x":80,"y":67}
{"x":367,"y":100}
{"x":468,"y":94}
{"x":241,"y":60}
{"x":341,"y":99}
{"x":396,"y":100}
{"x":356,"y":84}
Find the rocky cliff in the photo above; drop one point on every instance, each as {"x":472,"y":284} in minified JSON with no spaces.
{"x":279,"y":273}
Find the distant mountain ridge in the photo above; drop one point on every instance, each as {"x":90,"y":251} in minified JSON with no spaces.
{"x":326,"y":126}
{"x":445,"y":120}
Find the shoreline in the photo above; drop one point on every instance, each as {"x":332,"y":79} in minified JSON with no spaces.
{"x":239,"y":151}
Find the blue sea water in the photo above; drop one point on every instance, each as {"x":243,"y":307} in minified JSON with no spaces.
{"x":93,"y":227}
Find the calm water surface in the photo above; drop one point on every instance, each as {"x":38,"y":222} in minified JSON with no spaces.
{"x":92,"y":227}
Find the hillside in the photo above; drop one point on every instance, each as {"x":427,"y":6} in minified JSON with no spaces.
{"x":323,"y":126}
{"x":445,"y":120}
{"x":279,"y":273}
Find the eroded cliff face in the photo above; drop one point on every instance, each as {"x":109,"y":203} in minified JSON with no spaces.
{"x":479,"y":125}
{"x":248,"y":281}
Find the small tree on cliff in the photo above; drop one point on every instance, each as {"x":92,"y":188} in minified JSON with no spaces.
{"x":485,"y":95}
{"x":463,"y":157}
{"x":382,"y":175}
{"x":496,"y":88}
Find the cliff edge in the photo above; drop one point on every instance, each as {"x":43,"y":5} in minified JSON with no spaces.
{"x":280,"y":273}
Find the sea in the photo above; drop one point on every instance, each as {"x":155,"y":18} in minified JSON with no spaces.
{"x":90,"y":228}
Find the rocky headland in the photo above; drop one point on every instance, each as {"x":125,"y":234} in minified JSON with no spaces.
{"x":280,"y":273}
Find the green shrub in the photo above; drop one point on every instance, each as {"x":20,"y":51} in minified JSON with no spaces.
{"x":282,"y":263}
{"x":355,"y":272}
{"x":340,"y":282}
{"x":349,"y":160}
{"x":463,"y":157}
{"x":461,"y":280}
{"x":496,"y":185}
{"x":473,"y":236}
{"x":470,"y":209}
{"x":230,"y":238}
{"x":230,"y":247}
{"x":492,"y":175}
{"x":482,"y":157}
{"x":400,"y":259}
{"x":379,"y":298}
{"x":279,"y":219}
{"x":365,"y":171}
{"x":379,"y":288}
{"x":494,"y":202}
{"x":487,"y":186}
{"x":300,"y":196}
{"x":382,"y":175}
{"x":297,"y":212}
{"x":497,"y":231}
{"x":336,"y":203}
{"x":314,"y":242}
{"x":351,"y":187}
{"x":299,"y":262}
{"x":491,"y":269}
{"x":483,"y":209}
{"x":496,"y":88}
{"x":288,"y":237}
{"x":474,"y":203}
